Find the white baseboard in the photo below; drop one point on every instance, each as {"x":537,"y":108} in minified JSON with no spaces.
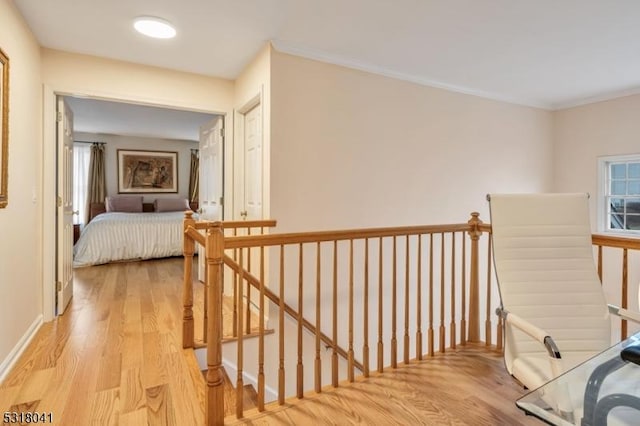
{"x":14,"y":355}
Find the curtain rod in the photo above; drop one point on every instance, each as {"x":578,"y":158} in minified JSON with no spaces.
{"x":100,"y":143}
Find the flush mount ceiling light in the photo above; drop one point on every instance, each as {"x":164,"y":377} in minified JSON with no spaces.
{"x":154,"y":27}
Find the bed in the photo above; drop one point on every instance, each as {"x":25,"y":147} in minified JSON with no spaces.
{"x":152,"y":230}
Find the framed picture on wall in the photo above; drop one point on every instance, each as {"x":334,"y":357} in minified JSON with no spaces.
{"x":147,"y":171}
{"x":4,"y":127}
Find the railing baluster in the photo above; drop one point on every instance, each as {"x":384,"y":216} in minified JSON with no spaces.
{"x":625,"y":291}
{"x":281,"y":388}
{"x":248,"y":308}
{"x":334,"y":355}
{"x":300,"y":367}
{"x":240,"y":346}
{"x":380,"y":279}
{"x":394,"y":308}
{"x":187,"y":287}
{"x":350,"y":368}
{"x":487,"y":324}
{"x":365,"y":347}
{"x":214,"y":250}
{"x":318,"y":363}
{"x":419,"y":301}
{"x":430,"y":342}
{"x":235,"y":291}
{"x":474,"y":279}
{"x":261,"y":383}
{"x":600,"y":263}
{"x":452,"y":325}
{"x":406,"y":301}
{"x":463,"y":293}
{"x":441,"y":332}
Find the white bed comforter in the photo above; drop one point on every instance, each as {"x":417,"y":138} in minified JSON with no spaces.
{"x":123,"y":236}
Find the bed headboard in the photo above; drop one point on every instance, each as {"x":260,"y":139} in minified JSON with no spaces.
{"x":97,"y":208}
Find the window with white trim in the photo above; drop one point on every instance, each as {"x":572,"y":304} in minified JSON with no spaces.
{"x":621,"y":190}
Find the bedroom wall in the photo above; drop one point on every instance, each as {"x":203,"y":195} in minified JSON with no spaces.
{"x":20,"y":224}
{"x":116,"y":142}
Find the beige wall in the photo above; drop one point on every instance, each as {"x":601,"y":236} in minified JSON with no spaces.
{"x":352,"y":149}
{"x":20,"y":250}
{"x":582,"y":134}
{"x":72,"y":73}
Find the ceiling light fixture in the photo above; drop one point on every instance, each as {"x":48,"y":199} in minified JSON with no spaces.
{"x":154,"y":27}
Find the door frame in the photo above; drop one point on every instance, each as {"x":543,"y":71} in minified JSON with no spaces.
{"x":50,"y":173}
{"x":238,"y":159}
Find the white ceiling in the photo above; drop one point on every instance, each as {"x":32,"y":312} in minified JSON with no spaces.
{"x":97,"y":116}
{"x":546,"y":53}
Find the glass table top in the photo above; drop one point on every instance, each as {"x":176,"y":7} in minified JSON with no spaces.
{"x":604,"y":390}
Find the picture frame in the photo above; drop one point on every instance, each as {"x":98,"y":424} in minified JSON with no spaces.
{"x":4,"y":129}
{"x":141,"y":171}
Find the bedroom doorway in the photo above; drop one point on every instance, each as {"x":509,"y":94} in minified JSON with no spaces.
{"x":52,"y":233}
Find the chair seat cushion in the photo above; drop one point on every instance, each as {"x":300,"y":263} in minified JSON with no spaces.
{"x":534,"y":370}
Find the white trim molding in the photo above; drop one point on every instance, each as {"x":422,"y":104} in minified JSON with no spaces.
{"x":13,"y":357}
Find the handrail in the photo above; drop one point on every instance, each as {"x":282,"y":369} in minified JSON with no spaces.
{"x":236,"y":224}
{"x":339,"y":235}
{"x":616,"y":241}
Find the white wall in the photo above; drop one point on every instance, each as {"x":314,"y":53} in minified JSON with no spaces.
{"x":352,"y":149}
{"x":115,"y":142}
{"x":20,"y":225}
{"x":582,"y":134}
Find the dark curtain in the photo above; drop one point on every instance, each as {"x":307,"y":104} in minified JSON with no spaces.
{"x":194,"y":182}
{"x":97,"y":189}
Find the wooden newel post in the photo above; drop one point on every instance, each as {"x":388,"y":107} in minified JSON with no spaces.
{"x":474,"y":279}
{"x":214,"y":410}
{"x":187,"y":287}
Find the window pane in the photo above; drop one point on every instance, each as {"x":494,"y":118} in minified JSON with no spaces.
{"x":634,"y":187}
{"x":634,"y":171}
{"x":633,"y":222}
{"x":618,"y":171}
{"x":617,"y":221}
{"x":618,"y":187}
{"x":617,"y":205}
{"x":633,"y":205}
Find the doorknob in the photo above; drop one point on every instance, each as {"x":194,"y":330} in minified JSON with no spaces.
{"x":243,"y":214}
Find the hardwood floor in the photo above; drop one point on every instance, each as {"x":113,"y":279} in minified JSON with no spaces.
{"x":115,"y":358}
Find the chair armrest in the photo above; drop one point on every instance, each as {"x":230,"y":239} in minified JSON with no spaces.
{"x":534,"y":331}
{"x":625,"y":313}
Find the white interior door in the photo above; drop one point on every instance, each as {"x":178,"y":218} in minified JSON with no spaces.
{"x":64,"y":267}
{"x":253,"y":164}
{"x":211,"y":157}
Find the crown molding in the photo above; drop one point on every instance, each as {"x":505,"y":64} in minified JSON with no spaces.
{"x":598,"y":98}
{"x":286,"y":47}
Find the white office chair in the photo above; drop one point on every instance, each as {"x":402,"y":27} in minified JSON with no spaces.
{"x":553,"y":305}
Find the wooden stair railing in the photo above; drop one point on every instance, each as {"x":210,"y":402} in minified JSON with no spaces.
{"x":624,"y":244}
{"x":342,"y":279}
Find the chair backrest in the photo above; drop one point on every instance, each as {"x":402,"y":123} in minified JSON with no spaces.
{"x":546,"y":273}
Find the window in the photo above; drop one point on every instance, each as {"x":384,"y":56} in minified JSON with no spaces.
{"x":621,"y":189}
{"x":81,"y":156}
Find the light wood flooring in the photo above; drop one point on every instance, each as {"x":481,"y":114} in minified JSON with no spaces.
{"x":115,"y":358}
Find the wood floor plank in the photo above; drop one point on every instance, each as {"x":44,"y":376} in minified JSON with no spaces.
{"x":160,"y":410}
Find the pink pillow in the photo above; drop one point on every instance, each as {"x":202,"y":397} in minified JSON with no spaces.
{"x":171,"y":205}
{"x":127,"y":204}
